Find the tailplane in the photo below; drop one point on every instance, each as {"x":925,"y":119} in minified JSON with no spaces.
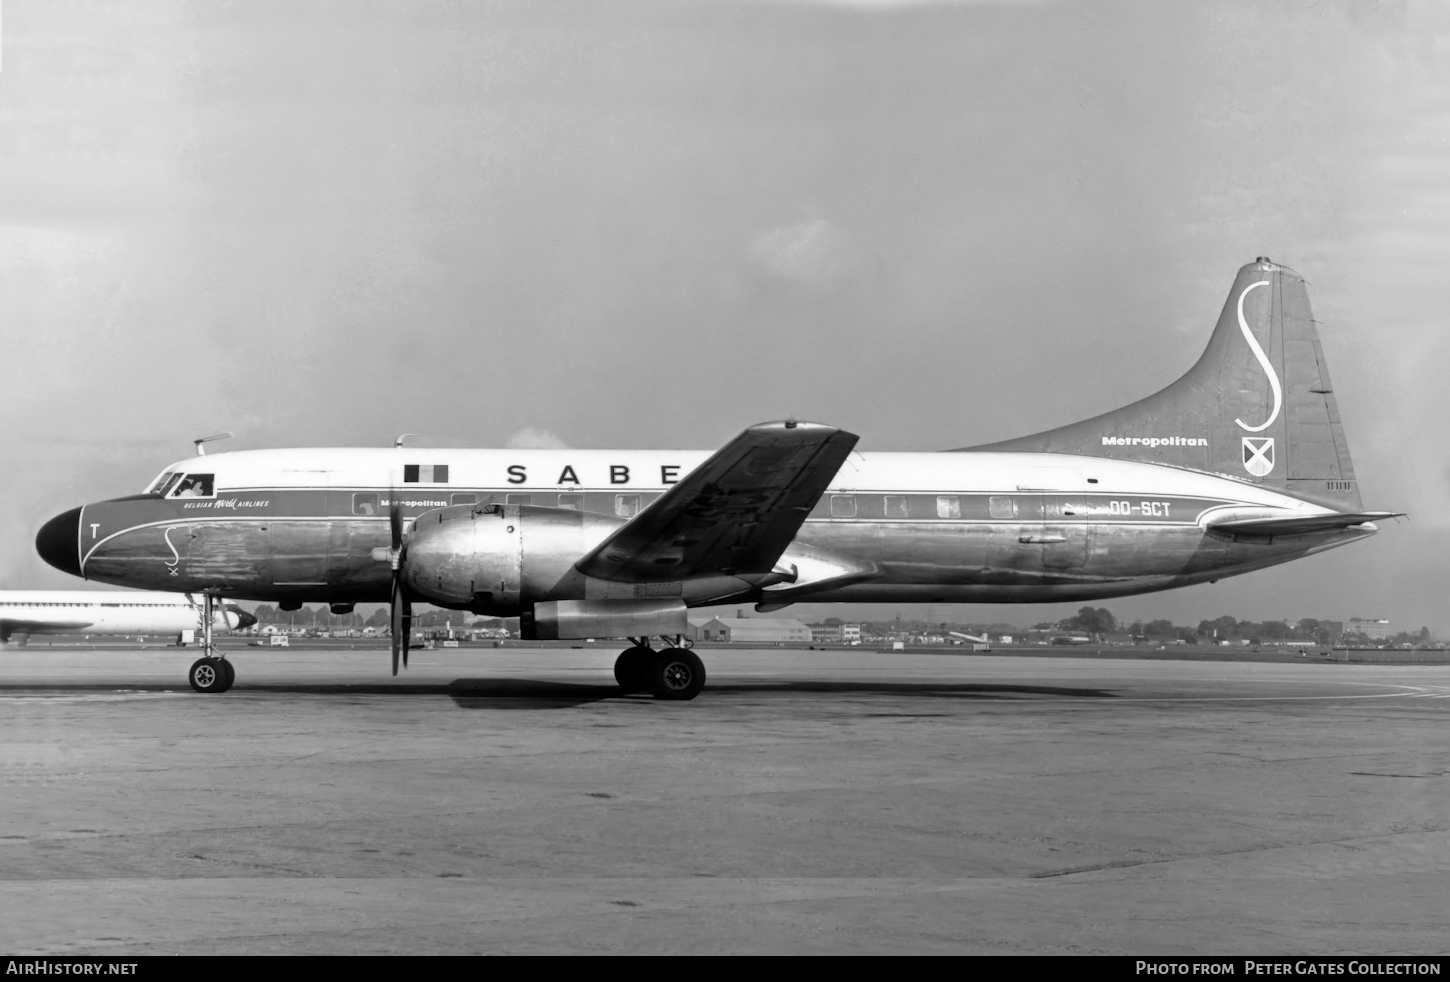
{"x":1258,"y":405}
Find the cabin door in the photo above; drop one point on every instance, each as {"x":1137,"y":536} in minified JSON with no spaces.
{"x":1063,"y":531}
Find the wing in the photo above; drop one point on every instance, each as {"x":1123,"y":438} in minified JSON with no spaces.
{"x":735,"y":513}
{"x":1302,"y":526}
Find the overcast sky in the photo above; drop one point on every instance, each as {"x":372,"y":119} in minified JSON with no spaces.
{"x":650,"y":224}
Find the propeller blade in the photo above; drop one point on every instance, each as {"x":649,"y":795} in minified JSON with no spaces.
{"x":395,"y":618}
{"x":400,"y":616}
{"x":407,"y":628}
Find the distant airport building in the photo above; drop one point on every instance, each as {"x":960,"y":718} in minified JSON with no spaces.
{"x":1374,"y":628}
{"x":749,"y":630}
{"x":837,"y":633}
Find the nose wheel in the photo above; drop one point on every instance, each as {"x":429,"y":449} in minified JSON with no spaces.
{"x":674,"y":674}
{"x":211,"y":675}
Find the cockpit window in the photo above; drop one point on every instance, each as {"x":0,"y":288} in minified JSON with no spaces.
{"x":163,"y":483}
{"x":194,"y":486}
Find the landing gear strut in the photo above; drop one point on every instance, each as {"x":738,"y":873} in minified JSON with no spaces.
{"x":674,"y":673}
{"x":210,"y":672}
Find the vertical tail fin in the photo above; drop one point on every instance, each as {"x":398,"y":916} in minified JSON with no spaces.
{"x":1257,"y":406}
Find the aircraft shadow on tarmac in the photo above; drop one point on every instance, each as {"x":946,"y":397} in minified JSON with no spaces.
{"x":504,"y":693}
{"x":531,"y":694}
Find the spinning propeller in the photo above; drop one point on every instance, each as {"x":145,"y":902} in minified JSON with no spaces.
{"x":400,"y":618}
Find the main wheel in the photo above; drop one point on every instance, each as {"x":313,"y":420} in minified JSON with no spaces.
{"x":230,"y":671}
{"x":207,"y":675}
{"x":676,"y":674}
{"x":631,"y":669}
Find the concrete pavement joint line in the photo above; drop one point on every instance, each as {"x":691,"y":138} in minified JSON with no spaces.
{"x":1129,"y":864}
{"x":238,"y":862}
{"x":316,"y":753}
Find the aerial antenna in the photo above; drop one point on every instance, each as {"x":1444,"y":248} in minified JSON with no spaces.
{"x":201,"y":450}
{"x":401,"y":437}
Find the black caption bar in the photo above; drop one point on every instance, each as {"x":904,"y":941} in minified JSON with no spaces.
{"x":1116,"y":966}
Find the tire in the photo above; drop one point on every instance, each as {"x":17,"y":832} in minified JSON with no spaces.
{"x":231,"y":673}
{"x":676,"y":674}
{"x":631,"y":669}
{"x":207,"y":676}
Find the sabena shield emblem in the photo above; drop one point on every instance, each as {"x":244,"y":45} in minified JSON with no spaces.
{"x":1258,"y":455}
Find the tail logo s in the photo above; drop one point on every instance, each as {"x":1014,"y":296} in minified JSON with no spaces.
{"x":1269,"y":371}
{"x":1259,"y":453}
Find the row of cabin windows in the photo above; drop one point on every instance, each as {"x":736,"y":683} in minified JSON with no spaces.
{"x":947,"y":506}
{"x":625,"y":505}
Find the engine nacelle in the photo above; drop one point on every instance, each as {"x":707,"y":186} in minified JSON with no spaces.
{"x":502,"y":560}
{"x":498,"y":559}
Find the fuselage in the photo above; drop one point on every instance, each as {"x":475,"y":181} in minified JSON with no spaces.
{"x":111,"y":612}
{"x":308,"y":525}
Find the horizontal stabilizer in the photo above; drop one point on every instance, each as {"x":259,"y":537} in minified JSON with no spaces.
{"x":1307,"y":525}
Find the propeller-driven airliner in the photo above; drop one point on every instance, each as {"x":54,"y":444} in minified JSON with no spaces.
{"x":1239,"y":465}
{"x":109,"y":612}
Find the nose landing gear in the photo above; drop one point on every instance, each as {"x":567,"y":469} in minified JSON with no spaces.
{"x":675,"y":673}
{"x":210,"y":673}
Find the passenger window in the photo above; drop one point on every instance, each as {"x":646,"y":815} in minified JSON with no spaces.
{"x":948,"y":506}
{"x":364,"y":503}
{"x":843,"y":506}
{"x":626,"y":505}
{"x":194,"y":486}
{"x":574,"y":501}
{"x":519,"y":499}
{"x":463,"y":498}
{"x":1001,"y":506}
{"x":896,"y":506}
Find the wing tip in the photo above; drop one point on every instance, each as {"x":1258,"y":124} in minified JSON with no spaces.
{"x":798,"y":428}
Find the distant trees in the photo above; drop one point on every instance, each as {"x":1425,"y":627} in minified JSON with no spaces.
{"x":1094,"y":620}
{"x":1219,"y":627}
{"x":1163,"y":630}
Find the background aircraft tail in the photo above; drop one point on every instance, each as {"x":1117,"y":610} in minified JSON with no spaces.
{"x":1258,"y":405}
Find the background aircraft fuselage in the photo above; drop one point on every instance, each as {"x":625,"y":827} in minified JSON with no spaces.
{"x":110,"y":612}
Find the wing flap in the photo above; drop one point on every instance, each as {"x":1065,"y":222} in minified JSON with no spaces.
{"x":734,"y":514}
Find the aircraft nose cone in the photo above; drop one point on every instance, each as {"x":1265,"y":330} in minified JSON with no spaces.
{"x":59,"y":542}
{"x":245,"y":620}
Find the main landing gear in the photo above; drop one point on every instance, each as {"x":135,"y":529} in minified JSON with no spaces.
{"x":210,"y":672}
{"x":211,"y":675}
{"x":674,"y":673}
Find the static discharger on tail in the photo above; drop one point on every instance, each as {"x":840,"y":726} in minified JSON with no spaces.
{"x":1239,"y":465}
